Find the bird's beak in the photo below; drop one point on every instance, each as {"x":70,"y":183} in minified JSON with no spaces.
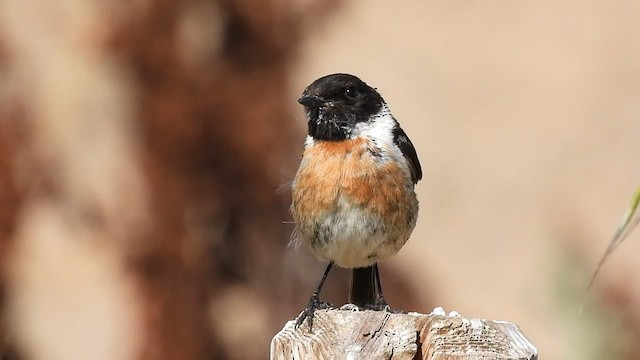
{"x":311,"y":101}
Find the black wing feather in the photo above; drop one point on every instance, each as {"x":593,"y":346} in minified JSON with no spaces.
{"x":402,"y":140}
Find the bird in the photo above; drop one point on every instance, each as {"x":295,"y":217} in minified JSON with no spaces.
{"x":353,"y":195}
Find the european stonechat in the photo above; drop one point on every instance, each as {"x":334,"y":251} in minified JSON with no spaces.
{"x":353,"y":195}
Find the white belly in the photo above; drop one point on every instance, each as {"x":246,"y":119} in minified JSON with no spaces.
{"x":352,"y":237}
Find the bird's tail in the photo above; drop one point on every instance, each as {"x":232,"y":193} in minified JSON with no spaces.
{"x":363,"y":286}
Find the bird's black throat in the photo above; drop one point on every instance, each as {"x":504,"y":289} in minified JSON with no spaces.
{"x":330,"y":130}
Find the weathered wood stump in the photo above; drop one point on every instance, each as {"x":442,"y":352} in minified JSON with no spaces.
{"x":348,"y":334}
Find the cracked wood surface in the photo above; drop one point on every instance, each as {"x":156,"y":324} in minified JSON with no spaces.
{"x":348,"y":334}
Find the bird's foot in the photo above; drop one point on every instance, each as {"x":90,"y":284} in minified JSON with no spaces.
{"x":309,"y":312}
{"x":379,"y":305}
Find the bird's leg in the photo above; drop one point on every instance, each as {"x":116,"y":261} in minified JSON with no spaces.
{"x":314,"y":302}
{"x":380,"y":304}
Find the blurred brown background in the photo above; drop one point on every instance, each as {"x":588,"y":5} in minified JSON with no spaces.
{"x":146,"y":147}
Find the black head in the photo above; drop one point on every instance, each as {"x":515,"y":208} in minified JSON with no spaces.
{"x":336,"y":103}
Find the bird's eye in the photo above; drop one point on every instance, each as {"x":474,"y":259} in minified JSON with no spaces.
{"x":351,"y":92}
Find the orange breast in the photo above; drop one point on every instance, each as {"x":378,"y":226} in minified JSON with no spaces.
{"x":331,"y":170}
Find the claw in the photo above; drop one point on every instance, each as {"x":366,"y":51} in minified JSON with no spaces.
{"x":379,"y":305}
{"x":309,"y":312}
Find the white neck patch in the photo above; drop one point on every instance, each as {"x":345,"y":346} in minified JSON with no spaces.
{"x":379,"y":128}
{"x":308,"y":142}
